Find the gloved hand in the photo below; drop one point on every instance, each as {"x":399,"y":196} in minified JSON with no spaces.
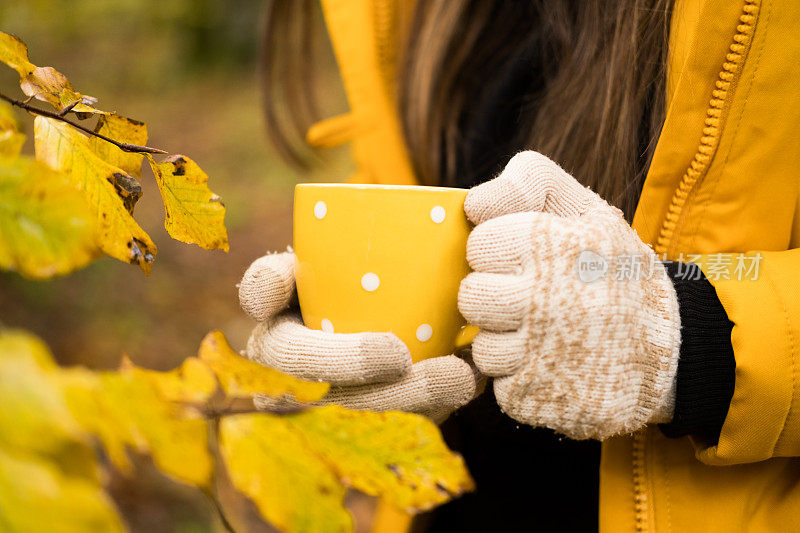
{"x":366,"y":370}
{"x":588,"y":353}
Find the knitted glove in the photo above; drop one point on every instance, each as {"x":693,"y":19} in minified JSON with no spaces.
{"x":577,"y":339}
{"x":366,"y":370}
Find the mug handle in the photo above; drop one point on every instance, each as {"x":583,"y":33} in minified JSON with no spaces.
{"x":465,"y":336}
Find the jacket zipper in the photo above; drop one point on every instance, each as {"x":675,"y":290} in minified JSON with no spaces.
{"x":639,"y":486}
{"x":709,"y":141}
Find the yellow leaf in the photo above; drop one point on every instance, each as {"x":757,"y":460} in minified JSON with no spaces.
{"x":281,"y":473}
{"x":43,"y":83}
{"x":399,"y":456}
{"x":11,"y":139}
{"x":126,"y":409}
{"x":14,"y":53}
{"x":111,"y":193}
{"x":296,"y":467}
{"x":46,"y":227}
{"x":36,"y":496}
{"x":33,"y":417}
{"x":240,"y":377}
{"x":192,"y":382}
{"x":121,"y":129}
{"x":194,"y":214}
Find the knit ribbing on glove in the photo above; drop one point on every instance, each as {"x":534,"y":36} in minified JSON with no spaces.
{"x":367,"y":370}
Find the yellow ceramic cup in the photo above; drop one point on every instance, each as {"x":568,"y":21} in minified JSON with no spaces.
{"x":383,"y":258}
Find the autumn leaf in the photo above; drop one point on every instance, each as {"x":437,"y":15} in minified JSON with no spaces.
{"x":111,"y":193}
{"x":11,"y":138}
{"x":194,"y":214}
{"x":121,"y":129}
{"x":43,"y":83}
{"x":279,"y":470}
{"x":106,"y":164}
{"x":48,"y":474}
{"x":34,"y":417}
{"x":125,"y":410}
{"x":305,"y":462}
{"x":37,"y":496}
{"x":241,"y":377}
{"x":191,"y":383}
{"x":46,"y":226}
{"x":399,"y":456}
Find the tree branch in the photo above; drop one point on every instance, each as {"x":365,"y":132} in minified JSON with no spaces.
{"x":212,"y":413}
{"x":125,"y":147}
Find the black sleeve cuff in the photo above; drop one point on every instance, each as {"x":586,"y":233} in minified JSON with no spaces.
{"x":706,"y":368}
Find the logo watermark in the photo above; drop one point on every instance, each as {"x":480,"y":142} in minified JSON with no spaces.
{"x":592,"y":266}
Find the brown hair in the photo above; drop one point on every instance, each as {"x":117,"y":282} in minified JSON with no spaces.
{"x":594,"y":100}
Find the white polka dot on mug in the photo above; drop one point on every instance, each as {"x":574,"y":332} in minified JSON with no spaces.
{"x":370,"y":281}
{"x":438,"y":214}
{"x":320,"y":210}
{"x":424,"y":332}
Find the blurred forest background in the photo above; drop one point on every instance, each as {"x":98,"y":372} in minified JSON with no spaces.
{"x":189,"y":69}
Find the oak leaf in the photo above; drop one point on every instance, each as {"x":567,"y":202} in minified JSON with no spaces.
{"x":194,"y":214}
{"x":46,"y":226}
{"x":111,"y":193}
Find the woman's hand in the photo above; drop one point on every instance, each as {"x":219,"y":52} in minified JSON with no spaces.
{"x":578,"y":337}
{"x":366,"y":370}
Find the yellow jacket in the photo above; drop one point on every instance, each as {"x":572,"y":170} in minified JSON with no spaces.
{"x":725,"y":179}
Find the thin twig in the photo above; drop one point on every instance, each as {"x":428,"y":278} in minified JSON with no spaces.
{"x":212,"y":413}
{"x":226,"y":523}
{"x":125,"y":147}
{"x":64,"y":112}
{"x":211,"y":491}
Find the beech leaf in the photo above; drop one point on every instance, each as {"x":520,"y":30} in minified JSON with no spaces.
{"x":49,"y":478}
{"x":399,"y":456}
{"x":34,"y":417}
{"x":43,"y":83}
{"x":11,"y":138}
{"x":194,"y":214}
{"x":125,"y":409}
{"x":37,"y":496}
{"x":121,"y":129}
{"x":111,"y":193}
{"x":280,"y":471}
{"x":240,"y":377}
{"x":46,"y":226}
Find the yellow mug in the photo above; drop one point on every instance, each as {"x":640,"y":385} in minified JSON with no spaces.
{"x":383,"y":258}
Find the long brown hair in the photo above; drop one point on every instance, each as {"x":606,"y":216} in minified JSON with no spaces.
{"x":593,"y":102}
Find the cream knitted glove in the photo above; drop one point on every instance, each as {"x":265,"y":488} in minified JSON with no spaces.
{"x":578,"y":340}
{"x":366,"y":370}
